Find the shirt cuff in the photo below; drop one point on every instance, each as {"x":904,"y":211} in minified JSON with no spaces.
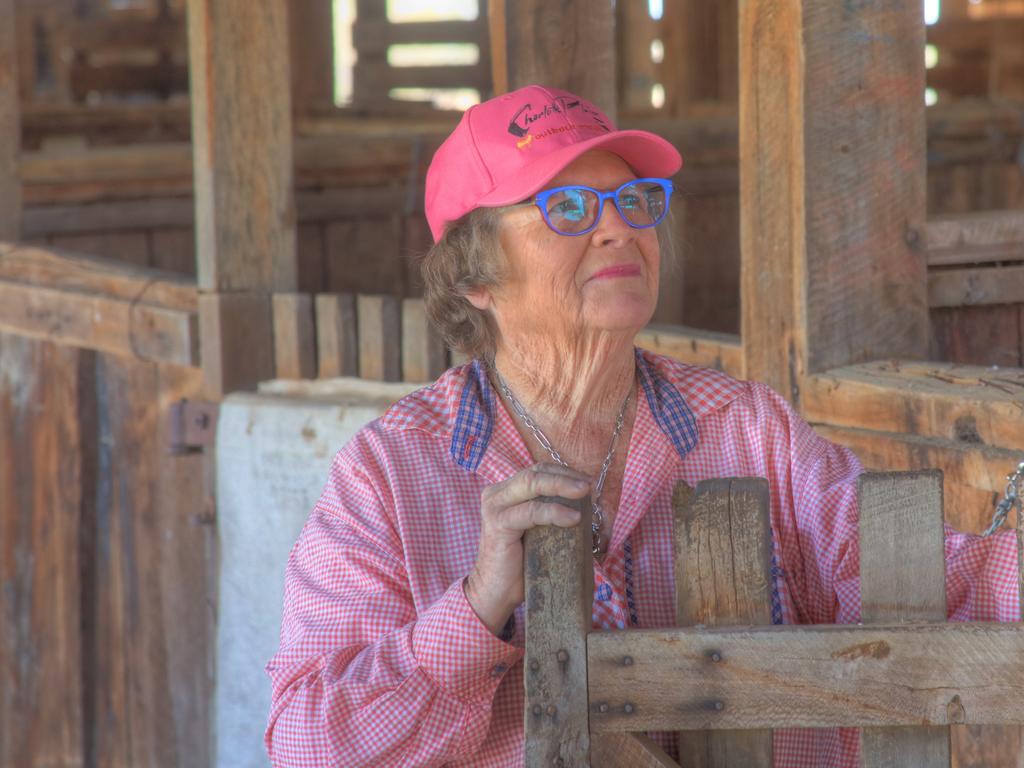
{"x":457,"y":651}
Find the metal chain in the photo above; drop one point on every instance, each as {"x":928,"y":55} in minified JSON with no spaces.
{"x":1013,"y":497}
{"x":597,"y":519}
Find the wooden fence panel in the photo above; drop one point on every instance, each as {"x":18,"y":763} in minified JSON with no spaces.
{"x":42,"y":487}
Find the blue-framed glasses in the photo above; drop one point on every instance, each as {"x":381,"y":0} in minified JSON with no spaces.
{"x":575,"y":210}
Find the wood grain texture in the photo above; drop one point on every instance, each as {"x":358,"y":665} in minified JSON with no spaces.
{"x":977,"y":286}
{"x":236,"y":341}
{"x":986,"y":335}
{"x":380,"y":327}
{"x":242,"y":145}
{"x":311,"y":54}
{"x":10,"y":125}
{"x":827,"y":276}
{"x":559,"y":586}
{"x":337,"y":338}
{"x":529,"y":45}
{"x":903,"y":579}
{"x":973,"y":238}
{"x":42,"y":486}
{"x":771,"y":677}
{"x":707,"y":349}
{"x":129,"y":328}
{"x":723,"y":578}
{"x":424,"y":354}
{"x":294,"y":336}
{"x":627,"y":750}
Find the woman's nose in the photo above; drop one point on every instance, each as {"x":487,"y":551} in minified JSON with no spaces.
{"x":612,"y":229}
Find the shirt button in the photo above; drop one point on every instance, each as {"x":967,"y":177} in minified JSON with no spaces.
{"x":498,"y":670}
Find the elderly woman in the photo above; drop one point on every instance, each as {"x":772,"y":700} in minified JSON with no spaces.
{"x":402,"y":635}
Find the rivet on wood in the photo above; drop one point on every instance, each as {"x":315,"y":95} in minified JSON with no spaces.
{"x":562,"y":655}
{"x":628,"y":708}
{"x":627,"y":661}
{"x":715,"y":656}
{"x":534,"y":665}
{"x":719,"y":705}
{"x":911,"y":236}
{"x":602,"y":707}
{"x":552,"y":709}
{"x":537,"y":709}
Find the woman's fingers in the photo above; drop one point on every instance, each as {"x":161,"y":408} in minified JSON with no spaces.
{"x":538,"y":480}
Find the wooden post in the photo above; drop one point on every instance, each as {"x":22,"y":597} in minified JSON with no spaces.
{"x":700,"y":54}
{"x":723,"y":550}
{"x":10,"y":126}
{"x":529,"y":45}
{"x":311,"y":39}
{"x":903,"y":579}
{"x":243,"y":174}
{"x":559,"y":585}
{"x":832,"y":186}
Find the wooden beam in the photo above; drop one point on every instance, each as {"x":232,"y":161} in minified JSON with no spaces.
{"x":900,"y":582}
{"x":723,"y":551}
{"x":882,"y":674}
{"x":559,"y":586}
{"x":423,"y":350}
{"x":632,"y":750}
{"x":125,"y":327}
{"x":10,"y":125}
{"x":379,"y":321}
{"x":974,"y":238}
{"x":311,"y":43}
{"x":66,"y":271}
{"x":709,"y":349}
{"x":243,"y":177}
{"x":529,"y":45}
{"x":830,"y":182}
{"x":976,"y":287}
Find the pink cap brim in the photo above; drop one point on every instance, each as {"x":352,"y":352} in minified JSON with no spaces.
{"x":646,"y":154}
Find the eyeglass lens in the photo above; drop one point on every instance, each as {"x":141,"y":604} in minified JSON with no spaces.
{"x":575,"y":209}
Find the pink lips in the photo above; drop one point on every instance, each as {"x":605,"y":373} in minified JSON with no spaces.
{"x":619,"y":270}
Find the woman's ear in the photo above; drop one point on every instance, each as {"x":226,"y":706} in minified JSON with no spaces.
{"x":479,"y":296}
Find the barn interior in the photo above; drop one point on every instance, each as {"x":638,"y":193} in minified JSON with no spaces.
{"x":210,"y":212}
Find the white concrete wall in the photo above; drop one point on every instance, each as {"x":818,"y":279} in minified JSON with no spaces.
{"x":273,"y":453}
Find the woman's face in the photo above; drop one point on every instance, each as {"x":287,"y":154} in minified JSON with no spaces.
{"x":562,"y":287}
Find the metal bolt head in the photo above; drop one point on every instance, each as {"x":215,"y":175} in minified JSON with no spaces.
{"x":534,"y":665}
{"x":716,"y":656}
{"x":627,"y":661}
{"x":719,"y":706}
{"x":537,"y":709}
{"x":562,"y":656}
{"x":552,"y":709}
{"x":628,"y":708}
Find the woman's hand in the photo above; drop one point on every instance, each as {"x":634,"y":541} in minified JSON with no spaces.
{"x":495,"y":585}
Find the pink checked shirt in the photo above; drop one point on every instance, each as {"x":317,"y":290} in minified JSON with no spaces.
{"x":384,"y":663}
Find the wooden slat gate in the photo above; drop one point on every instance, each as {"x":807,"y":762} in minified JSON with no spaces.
{"x":107,"y":542}
{"x":903,"y":675}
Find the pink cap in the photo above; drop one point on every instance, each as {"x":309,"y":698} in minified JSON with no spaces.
{"x":506,"y":149}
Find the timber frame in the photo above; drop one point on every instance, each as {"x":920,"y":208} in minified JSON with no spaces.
{"x":835,"y":242}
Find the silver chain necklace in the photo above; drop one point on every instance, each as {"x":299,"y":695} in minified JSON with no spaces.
{"x":597,"y":518}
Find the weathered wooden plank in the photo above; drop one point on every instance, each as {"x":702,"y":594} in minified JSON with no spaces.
{"x":337,"y":338}
{"x":986,"y":335}
{"x":974,"y":475}
{"x":972,"y":405}
{"x":559,"y":586}
{"x":979,"y":286}
{"x":104,"y":33}
{"x":903,"y":579}
{"x":723,"y":555}
{"x":311,"y":46}
{"x":379,"y":323}
{"x":139,"y":330}
{"x":637,"y":72}
{"x":528,"y":46}
{"x":375,"y":35}
{"x":974,"y":238}
{"x":423,"y":350}
{"x":174,"y":250}
{"x":127,"y":247}
{"x":48,"y":268}
{"x":242,"y":146}
{"x":43,"y":484}
{"x":627,"y":750}
{"x":294,"y":336}
{"x":10,"y":125}
{"x":770,"y":677}
{"x":236,"y":333}
{"x":708,"y":349}
{"x":828,"y":278}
